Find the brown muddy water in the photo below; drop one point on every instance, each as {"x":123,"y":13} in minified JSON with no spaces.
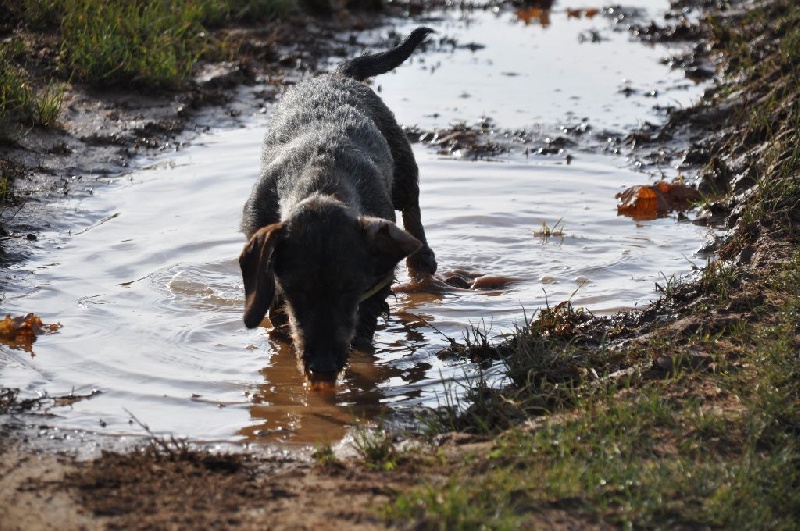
{"x":144,"y":279}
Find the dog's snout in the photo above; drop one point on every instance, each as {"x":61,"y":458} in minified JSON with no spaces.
{"x":323,"y":380}
{"x":322,"y":363}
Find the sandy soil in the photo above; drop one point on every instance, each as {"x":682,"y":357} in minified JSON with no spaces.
{"x":154,"y":488}
{"x":30,"y":497}
{"x":166,"y":485}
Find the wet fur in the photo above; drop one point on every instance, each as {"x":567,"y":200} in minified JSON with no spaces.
{"x":320,"y":220}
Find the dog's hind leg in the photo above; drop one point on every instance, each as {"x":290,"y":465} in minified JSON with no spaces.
{"x":405,"y":181}
{"x":405,"y":198}
{"x":422,"y":261}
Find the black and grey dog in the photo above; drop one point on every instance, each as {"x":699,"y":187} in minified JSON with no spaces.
{"x":323,"y":244}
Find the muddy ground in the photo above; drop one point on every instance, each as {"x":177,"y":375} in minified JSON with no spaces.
{"x":167,"y":484}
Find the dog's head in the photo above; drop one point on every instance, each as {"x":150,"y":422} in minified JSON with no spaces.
{"x":322,"y":260}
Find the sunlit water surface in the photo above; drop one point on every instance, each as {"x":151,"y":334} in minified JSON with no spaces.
{"x":146,"y":283}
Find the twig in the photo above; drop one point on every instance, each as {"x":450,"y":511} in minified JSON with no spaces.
{"x":105,"y":219}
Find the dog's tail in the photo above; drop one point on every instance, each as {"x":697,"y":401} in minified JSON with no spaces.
{"x":371,"y":65}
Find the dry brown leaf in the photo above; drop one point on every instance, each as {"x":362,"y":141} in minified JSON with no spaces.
{"x":534,"y":14}
{"x":13,"y":326}
{"x":491,"y":282}
{"x":654,"y":201}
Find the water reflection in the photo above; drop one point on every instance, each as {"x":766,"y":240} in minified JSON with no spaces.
{"x":286,"y":409}
{"x":151,"y":298}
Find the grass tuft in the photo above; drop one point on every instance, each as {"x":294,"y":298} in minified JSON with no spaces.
{"x":376,"y":447}
{"x":325,"y":456}
{"x":20,"y":102}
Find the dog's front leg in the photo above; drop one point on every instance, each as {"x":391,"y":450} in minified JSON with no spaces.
{"x":278,"y":316}
{"x":368,"y":312}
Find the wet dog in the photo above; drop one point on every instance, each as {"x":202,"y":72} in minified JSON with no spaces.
{"x":323,"y":244}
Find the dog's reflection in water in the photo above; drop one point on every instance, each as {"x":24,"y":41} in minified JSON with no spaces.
{"x":288,"y":409}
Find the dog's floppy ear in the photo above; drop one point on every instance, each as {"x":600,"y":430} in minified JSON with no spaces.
{"x":258,"y":273}
{"x":387,"y":242}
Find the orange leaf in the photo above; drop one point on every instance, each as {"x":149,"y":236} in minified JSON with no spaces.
{"x":534,"y":14}
{"x":492,"y":282}
{"x":651,"y":202}
{"x":20,"y":332}
{"x":29,"y":324}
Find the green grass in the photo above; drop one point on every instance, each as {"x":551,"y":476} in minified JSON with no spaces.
{"x":146,"y":44}
{"x":767,"y":70}
{"x":149,"y":44}
{"x":649,"y":455}
{"x":375,"y":447}
{"x":220,"y":12}
{"x":325,"y":456}
{"x":710,"y":439}
{"x":45,"y":105}
{"x":457,"y":505}
{"x":20,"y":101}
{"x":141,"y":44}
{"x":4,"y":189}
{"x":719,"y":279}
{"x":9,"y":172}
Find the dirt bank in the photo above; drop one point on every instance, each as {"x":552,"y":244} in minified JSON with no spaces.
{"x":682,"y":415}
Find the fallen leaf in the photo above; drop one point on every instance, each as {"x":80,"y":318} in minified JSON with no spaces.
{"x":654,"y":201}
{"x":20,"y":332}
{"x":490,"y":282}
{"x":534,"y":14}
{"x":455,"y":280}
{"x":13,"y":326}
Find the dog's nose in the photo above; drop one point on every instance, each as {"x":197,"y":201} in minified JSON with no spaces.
{"x":322,"y":369}
{"x":321,"y":381}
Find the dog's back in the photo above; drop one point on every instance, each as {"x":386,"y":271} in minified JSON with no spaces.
{"x":332,"y":113}
{"x":324,"y":139}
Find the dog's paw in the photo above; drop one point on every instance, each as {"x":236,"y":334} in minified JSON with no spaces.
{"x":422,"y":262}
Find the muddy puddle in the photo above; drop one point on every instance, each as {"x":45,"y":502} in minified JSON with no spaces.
{"x":144,"y":279}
